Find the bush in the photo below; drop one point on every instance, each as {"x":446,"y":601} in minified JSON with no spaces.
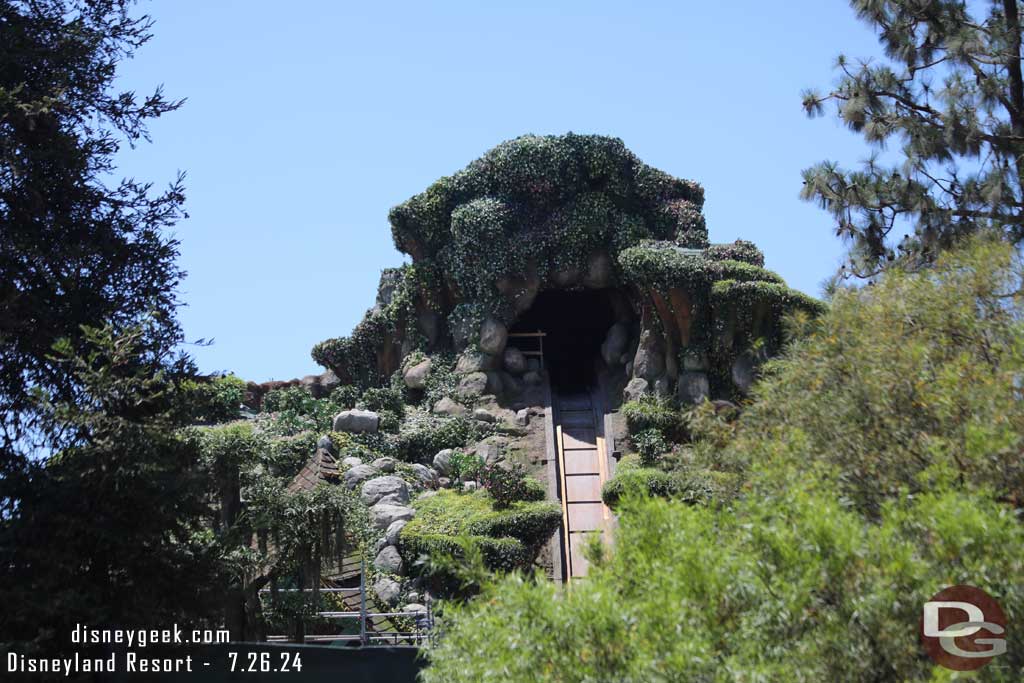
{"x":383,"y":399}
{"x":651,"y":412}
{"x":794,"y":588}
{"x":420,"y":438}
{"x":465,"y":466}
{"x":509,"y":538}
{"x":506,"y":484}
{"x":647,"y":481}
{"x":650,"y":444}
{"x":214,"y":399}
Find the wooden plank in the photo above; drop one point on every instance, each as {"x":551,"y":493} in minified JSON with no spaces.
{"x":583,"y":487}
{"x":565,"y":514}
{"x":585,"y":516}
{"x":580,"y":565}
{"x":580,"y":462}
{"x":574,"y":437}
{"x":577,"y":418}
{"x":574,"y":403}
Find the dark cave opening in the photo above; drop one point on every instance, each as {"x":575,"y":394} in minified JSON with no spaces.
{"x":575,"y":324}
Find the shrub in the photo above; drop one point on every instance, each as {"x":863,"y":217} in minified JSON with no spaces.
{"x":506,"y":483}
{"x":653,"y":482}
{"x":792,"y":588}
{"x":465,"y":466}
{"x":420,"y":438}
{"x":650,"y":444}
{"x":740,"y":250}
{"x":214,"y":399}
{"x":651,"y":412}
{"x":383,"y":399}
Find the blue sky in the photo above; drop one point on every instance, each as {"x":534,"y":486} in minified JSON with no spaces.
{"x":306,"y":122}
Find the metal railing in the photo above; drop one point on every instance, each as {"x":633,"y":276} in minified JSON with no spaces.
{"x":423,"y":619}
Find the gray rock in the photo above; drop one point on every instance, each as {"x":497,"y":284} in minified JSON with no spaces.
{"x":515,"y":361}
{"x":510,"y":385}
{"x":695,"y":360}
{"x":311,"y":383}
{"x":356,"y":421}
{"x":615,"y":343}
{"x":472,"y":386}
{"x":567,"y":277}
{"x":329,"y":382}
{"x":325,"y":443}
{"x":523,"y":417}
{"x":388,"y":560}
{"x":489,"y":453}
{"x":447,"y":406}
{"x":383,"y":515}
{"x":599,"y":271}
{"x":387,"y":590}
{"x":493,"y":335}
{"x":532,"y":364}
{"x":743,"y":372}
{"x":471,"y":360}
{"x":424,"y":475}
{"x":413,"y":597}
{"x":443,"y":461}
{"x":649,"y":361}
{"x":351,"y":461}
{"x":661,"y":387}
{"x":533,"y":378}
{"x":385,"y":464}
{"x":416,"y":376}
{"x":469,"y":486}
{"x":636,"y":388}
{"x":484,"y":415}
{"x":358,"y":474}
{"x":391,"y":487}
{"x":392,"y":534}
{"x":444,"y":482}
{"x":379,"y":545}
{"x":495,"y":384}
{"x":693,"y":387}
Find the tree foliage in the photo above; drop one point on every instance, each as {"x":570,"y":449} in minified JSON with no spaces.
{"x":881,"y":463}
{"x":77,"y":247}
{"x":950,"y":95}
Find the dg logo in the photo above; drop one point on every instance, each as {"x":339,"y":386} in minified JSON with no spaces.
{"x":963,"y":628}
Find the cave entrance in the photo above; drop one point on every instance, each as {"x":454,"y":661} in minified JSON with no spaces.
{"x":574,"y":324}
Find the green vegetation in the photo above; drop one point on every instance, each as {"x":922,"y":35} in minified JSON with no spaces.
{"x":947,"y":96}
{"x":449,"y":521}
{"x":877,"y":462}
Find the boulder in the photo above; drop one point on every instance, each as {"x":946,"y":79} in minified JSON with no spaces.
{"x":472,"y":386}
{"x":358,"y":474}
{"x":356,"y":421}
{"x":743,"y":372}
{"x":532,"y":363}
{"x":324,"y":443}
{"x":489,"y":453}
{"x":424,"y":475}
{"x":311,"y":383}
{"x":532,"y":378}
{"x":443,"y":482}
{"x":615,"y":343}
{"x":493,"y":335}
{"x":484,"y":415}
{"x":387,"y":590}
{"x":695,"y":360}
{"x":649,"y":361}
{"x":447,"y":406}
{"x":662,"y":387}
{"x":495,"y":385}
{"x":511,"y":385}
{"x":388,"y":560}
{"x":600,"y":272}
{"x":383,"y":515}
{"x":566,"y":277}
{"x":329,"y":382}
{"x":471,"y":360}
{"x":443,"y":461}
{"x":523,"y":417}
{"x":385,"y":464}
{"x":693,"y":387}
{"x":636,"y":388}
{"x":515,"y":361}
{"x":351,"y":461}
{"x":469,"y":486}
{"x":391,"y":487}
{"x":416,"y":376}
{"x":392,"y":534}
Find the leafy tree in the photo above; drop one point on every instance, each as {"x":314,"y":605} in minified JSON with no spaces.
{"x":111,"y":531}
{"x":950,"y":93}
{"x":881,"y":458}
{"x":76,"y":246}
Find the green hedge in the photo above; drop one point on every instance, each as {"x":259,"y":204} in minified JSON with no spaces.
{"x":652,"y":482}
{"x":651,"y":412}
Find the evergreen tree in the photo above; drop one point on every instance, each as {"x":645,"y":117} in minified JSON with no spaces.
{"x":76,"y":246}
{"x":951,"y":95}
